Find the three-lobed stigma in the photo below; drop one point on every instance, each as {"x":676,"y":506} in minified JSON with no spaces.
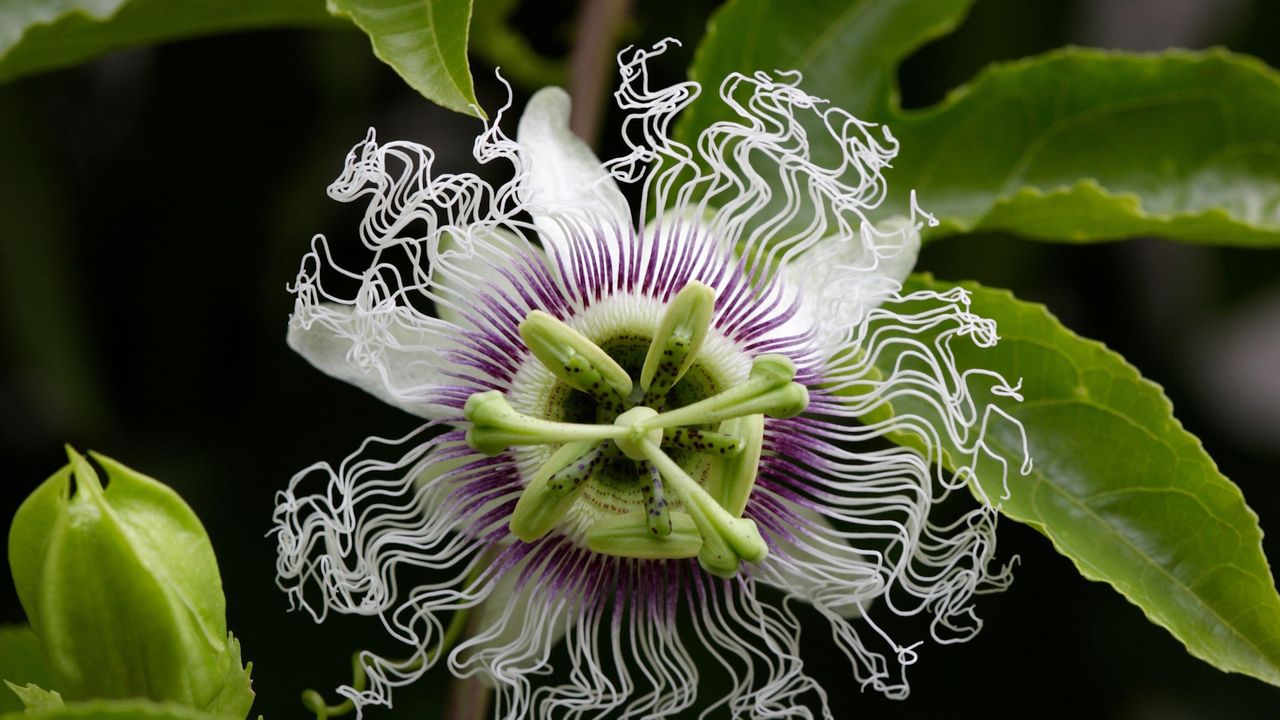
{"x":679,"y":516}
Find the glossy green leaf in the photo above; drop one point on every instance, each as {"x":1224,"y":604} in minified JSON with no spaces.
{"x":38,"y":35}
{"x":1077,"y":145}
{"x":1085,"y":145}
{"x":423,"y":40}
{"x":135,"y":709}
{"x":1120,"y":487}
{"x":22,"y":662}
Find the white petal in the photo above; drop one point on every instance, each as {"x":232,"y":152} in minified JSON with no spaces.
{"x":565,"y":188}
{"x":840,"y":279}
{"x":390,"y":362}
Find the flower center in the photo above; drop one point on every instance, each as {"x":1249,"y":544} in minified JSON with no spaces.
{"x":665,"y":457}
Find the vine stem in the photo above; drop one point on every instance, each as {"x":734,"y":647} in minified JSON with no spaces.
{"x":591,"y":61}
{"x":468,"y":699}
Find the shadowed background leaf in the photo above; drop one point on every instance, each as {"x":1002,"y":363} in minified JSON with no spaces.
{"x":1075,"y":145}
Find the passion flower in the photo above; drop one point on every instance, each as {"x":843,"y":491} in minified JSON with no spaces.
{"x":641,"y":416}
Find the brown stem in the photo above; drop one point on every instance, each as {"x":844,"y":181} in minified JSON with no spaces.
{"x":468,"y":699}
{"x":591,"y":63}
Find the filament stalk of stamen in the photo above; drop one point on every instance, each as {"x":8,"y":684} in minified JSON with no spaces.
{"x":726,"y":540}
{"x":495,"y":425}
{"x":541,"y":506}
{"x":678,"y":340}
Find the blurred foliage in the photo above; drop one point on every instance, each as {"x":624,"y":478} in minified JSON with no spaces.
{"x":39,"y":35}
{"x":22,"y":662}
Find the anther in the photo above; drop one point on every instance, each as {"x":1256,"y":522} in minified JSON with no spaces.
{"x":678,"y":340}
{"x":628,"y":535}
{"x":550,"y":492}
{"x":733,"y":479}
{"x":573,"y":358}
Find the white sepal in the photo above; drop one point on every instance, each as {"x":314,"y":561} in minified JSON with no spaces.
{"x":564,"y":186}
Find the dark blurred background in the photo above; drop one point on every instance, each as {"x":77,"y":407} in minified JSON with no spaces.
{"x":154,"y":205}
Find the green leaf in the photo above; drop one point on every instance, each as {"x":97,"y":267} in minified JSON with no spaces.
{"x":425,"y":41}
{"x":22,"y":662}
{"x":851,"y":60}
{"x":1120,"y":487}
{"x":133,"y":709}
{"x":1077,"y":145}
{"x":38,"y":35}
{"x":1084,"y":145}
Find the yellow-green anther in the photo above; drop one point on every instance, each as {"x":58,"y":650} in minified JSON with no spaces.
{"x":570,"y":356}
{"x":541,"y":506}
{"x":702,"y":441}
{"x":726,"y":539}
{"x":655,"y":501}
{"x":678,"y":339}
{"x":635,"y":432}
{"x":628,"y":535}
{"x":733,"y":479}
{"x":495,"y":425}
{"x":768,"y":390}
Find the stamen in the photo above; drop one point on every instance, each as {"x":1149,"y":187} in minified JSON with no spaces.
{"x":570,"y":356}
{"x":495,"y":425}
{"x":733,"y":479}
{"x":678,"y":340}
{"x":544,"y":501}
{"x":708,"y":443}
{"x":768,"y":390}
{"x":628,"y":535}
{"x":726,"y":540}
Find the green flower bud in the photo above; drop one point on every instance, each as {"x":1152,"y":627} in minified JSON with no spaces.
{"x":122,"y":588}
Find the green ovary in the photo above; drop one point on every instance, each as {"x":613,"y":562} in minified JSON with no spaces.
{"x":632,"y":472}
